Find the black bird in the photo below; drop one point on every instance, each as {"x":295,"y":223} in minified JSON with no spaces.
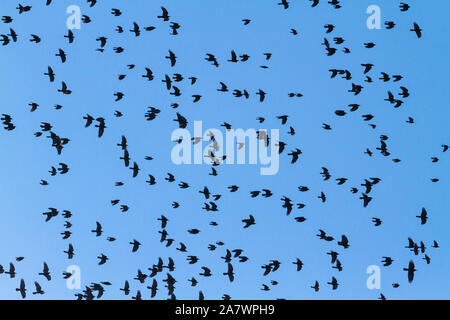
{"x":417,"y":30}
{"x":299,"y":264}
{"x":389,"y":24}
{"x":322,"y":197}
{"x":70,"y":252}
{"x":334,"y":283}
{"x":151,"y":180}
{"x":174,"y":26}
{"x":51,"y":214}
{"x":102,"y":259}
{"x":136,"y":30}
{"x":62,"y":55}
{"x":12,"y":271}
{"x":344,"y":242}
{"x":411,"y":269}
{"x":136,"y":244}
{"x":126,"y":288}
{"x":182,"y":122}
{"x":172,"y":57}
{"x":46,"y":272}
{"x":64,"y":89}
{"x":367,"y":67}
{"x":70,"y":36}
{"x":89,"y":120}
{"x":116,"y":12}
{"x":287,"y":204}
{"x":366,"y":199}
{"x":22,"y":289}
{"x":164,"y":15}
{"x":123,"y":143}
{"x":98,"y":230}
{"x":4,"y":39}
{"x":248,"y":222}
{"x":329,"y":28}
{"x":7,"y":19}
{"x":135,"y":169}
{"x":404,"y":7}
{"x":23,"y":9}
{"x":423,"y":216}
{"x":38,"y":288}
{"x":284,"y":3}
{"x":387,"y":261}
{"x":376,"y":221}
{"x":295,"y":155}
{"x":35,"y":38}
{"x":148,"y":75}
{"x":101,"y":126}
{"x":229,"y":272}
{"x":50,"y":74}
{"x":153,"y":288}
{"x":333,"y":255}
{"x":126,"y":158}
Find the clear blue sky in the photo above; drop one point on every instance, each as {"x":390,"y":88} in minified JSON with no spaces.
{"x":298,"y":64}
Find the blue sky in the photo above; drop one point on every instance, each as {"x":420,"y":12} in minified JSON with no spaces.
{"x":298,"y":64}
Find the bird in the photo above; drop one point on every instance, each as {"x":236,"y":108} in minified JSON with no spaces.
{"x":417,"y":30}
{"x":387,"y":261}
{"x":98,"y":230}
{"x":102,"y":259}
{"x":295,"y":155}
{"x":423,"y":216}
{"x":377,"y":222}
{"x":101,"y":126}
{"x":64,"y":89}
{"x":50,"y":74}
{"x":316,"y":286}
{"x":136,"y":244}
{"x":38,"y":289}
{"x":62,"y":55}
{"x":229,"y":272}
{"x":404,"y":7}
{"x":126,"y":288}
{"x":284,"y":3}
{"x":172,"y":57}
{"x":22,"y":289}
{"x":135,"y":169}
{"x":70,"y":252}
{"x":299,"y":264}
{"x":70,"y":36}
{"x":411,"y":269}
{"x":165,"y":14}
{"x":344,"y":242}
{"x":182,"y":122}
{"x":46,"y":272}
{"x":334,"y":283}
{"x":248,"y":222}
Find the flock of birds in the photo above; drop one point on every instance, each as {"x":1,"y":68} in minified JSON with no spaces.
{"x":149,"y":278}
